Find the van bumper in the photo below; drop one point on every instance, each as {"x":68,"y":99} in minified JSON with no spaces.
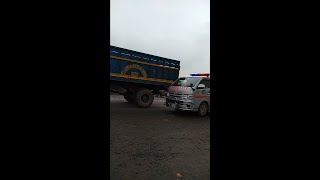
{"x":185,"y":105}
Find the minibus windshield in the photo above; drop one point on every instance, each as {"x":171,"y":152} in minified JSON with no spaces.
{"x":186,"y":81}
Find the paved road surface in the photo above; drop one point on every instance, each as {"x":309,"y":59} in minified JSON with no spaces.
{"x":157,"y":142}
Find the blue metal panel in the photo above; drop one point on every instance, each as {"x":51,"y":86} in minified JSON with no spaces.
{"x":161,"y":68}
{"x":152,"y":71}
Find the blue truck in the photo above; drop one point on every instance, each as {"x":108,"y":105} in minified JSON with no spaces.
{"x":139,"y":76}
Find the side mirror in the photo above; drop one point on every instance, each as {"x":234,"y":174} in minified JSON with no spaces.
{"x":201,"y":86}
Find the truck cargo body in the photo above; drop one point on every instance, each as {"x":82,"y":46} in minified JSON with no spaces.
{"x":135,"y":72}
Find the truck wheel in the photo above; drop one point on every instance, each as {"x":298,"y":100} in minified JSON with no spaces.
{"x":203,"y":109}
{"x":144,"y":98}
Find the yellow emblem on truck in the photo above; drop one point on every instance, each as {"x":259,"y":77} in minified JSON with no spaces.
{"x":134,"y":66}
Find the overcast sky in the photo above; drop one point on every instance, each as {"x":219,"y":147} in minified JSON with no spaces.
{"x":175,"y":29}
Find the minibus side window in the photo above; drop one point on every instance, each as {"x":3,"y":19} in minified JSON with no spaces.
{"x":206,"y":83}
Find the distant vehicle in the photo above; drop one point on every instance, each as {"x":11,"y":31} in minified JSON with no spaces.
{"x":190,"y":94}
{"x":140,"y":75}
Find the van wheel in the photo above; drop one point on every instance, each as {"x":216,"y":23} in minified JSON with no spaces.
{"x":203,"y":109}
{"x":144,"y":98}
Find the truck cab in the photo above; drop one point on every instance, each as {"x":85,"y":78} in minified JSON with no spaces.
{"x":190,"y":94}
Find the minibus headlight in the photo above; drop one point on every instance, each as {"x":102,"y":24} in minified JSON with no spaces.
{"x":187,"y":96}
{"x":190,"y":96}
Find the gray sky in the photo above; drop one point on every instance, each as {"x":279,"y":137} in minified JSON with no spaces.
{"x":174,"y":29}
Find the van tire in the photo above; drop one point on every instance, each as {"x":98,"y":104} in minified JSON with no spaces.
{"x":144,"y":98}
{"x":203,"y":109}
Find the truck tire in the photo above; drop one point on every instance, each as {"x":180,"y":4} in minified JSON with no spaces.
{"x":144,"y":98}
{"x":203,"y":109}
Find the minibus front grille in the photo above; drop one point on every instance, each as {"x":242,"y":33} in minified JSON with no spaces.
{"x":175,"y":95}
